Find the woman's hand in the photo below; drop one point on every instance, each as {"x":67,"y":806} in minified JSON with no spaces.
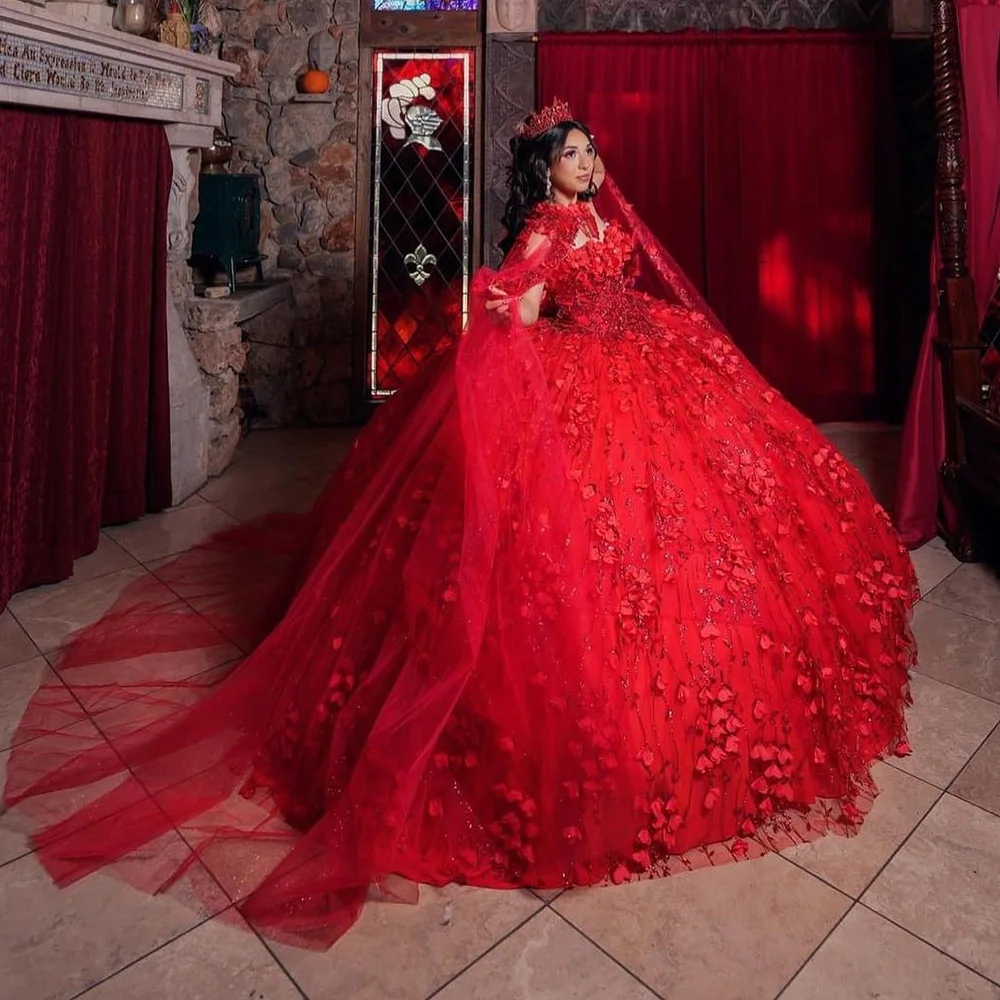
{"x":499,"y":302}
{"x":597,"y":178}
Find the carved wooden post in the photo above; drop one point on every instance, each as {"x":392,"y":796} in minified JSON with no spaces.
{"x":952,"y":208}
{"x":957,"y":345}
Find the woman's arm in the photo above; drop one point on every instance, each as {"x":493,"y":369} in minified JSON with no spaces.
{"x":530,"y":302}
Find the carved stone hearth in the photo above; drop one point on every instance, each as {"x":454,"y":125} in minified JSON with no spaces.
{"x":190,"y":433}
{"x":71,"y":63}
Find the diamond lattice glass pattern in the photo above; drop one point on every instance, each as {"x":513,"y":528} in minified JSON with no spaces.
{"x":421,"y":211}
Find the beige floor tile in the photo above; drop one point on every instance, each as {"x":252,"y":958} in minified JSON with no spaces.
{"x":958,"y":649}
{"x":944,"y":883}
{"x":932,"y":565}
{"x":301,"y":452}
{"x":979,"y":783}
{"x":291,"y":495}
{"x":247,"y":474}
{"x":13,"y":839}
{"x":15,"y":646}
{"x":736,"y":932}
{"x":400,"y":952}
{"x":946,"y":726}
{"x":318,"y":466}
{"x":939,"y":543}
{"x":51,"y":614}
{"x":239,"y":866}
{"x":159,"y":535}
{"x":106,"y":558}
{"x":220,"y":960}
{"x":866,"y":956}
{"x":16,"y":826}
{"x":17,"y":686}
{"x":545,"y":959}
{"x":56,"y":942}
{"x":850,"y":863}
{"x":972,"y":589}
{"x":195,"y":500}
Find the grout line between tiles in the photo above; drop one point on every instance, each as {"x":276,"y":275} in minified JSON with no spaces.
{"x":954,"y":687}
{"x":962,"y":769}
{"x":27,"y":659}
{"x":607,"y":954}
{"x":930,"y":944}
{"x":277,"y":961}
{"x":68,"y":584}
{"x":944,"y":579}
{"x":954,"y":610}
{"x":815,"y":951}
{"x":496,"y":944}
{"x":857,"y":899}
{"x":152,"y":951}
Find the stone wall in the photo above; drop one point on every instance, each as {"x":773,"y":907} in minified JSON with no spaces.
{"x":222,"y":336}
{"x":306,"y":152}
{"x":711,"y":15}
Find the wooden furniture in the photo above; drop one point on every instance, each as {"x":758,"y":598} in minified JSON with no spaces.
{"x":970,"y":472}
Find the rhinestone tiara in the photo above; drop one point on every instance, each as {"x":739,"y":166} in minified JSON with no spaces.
{"x":558,"y":111}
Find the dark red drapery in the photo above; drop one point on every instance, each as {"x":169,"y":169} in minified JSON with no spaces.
{"x":755,"y":158}
{"x":84,"y":399}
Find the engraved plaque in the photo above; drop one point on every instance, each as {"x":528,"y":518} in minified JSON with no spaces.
{"x":34,"y":65}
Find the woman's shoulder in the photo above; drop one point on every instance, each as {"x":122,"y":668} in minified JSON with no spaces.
{"x":553,"y":226}
{"x":553,"y":220}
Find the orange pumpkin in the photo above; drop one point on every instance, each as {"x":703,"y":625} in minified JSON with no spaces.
{"x":314,"y":81}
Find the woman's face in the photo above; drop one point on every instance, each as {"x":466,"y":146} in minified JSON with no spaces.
{"x":573,"y":170}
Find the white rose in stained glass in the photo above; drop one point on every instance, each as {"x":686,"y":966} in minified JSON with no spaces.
{"x":416,"y":123}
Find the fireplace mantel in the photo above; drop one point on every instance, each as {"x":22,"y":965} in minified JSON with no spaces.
{"x":55,"y":61}
{"x":51,"y":60}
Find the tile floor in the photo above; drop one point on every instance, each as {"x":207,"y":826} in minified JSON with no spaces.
{"x":909,"y":910}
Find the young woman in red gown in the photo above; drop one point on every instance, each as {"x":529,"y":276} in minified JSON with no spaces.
{"x":590,"y":603}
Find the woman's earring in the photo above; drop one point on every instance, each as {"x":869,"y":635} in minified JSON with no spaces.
{"x":548,"y":184}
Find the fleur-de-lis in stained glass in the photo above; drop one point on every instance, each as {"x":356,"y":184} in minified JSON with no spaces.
{"x":418,"y":265}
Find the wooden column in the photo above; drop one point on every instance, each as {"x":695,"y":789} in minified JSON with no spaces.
{"x":958,"y":344}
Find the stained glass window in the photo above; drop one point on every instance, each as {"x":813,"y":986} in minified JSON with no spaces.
{"x":421,"y":212}
{"x":425,"y":4}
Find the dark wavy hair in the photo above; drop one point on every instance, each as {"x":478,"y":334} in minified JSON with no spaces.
{"x":531,"y":160}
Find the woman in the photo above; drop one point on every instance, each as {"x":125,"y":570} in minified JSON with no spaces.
{"x":593,"y":604}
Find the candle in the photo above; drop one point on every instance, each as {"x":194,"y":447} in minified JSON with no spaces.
{"x":133,"y":16}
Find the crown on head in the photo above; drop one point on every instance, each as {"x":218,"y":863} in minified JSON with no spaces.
{"x":557,"y":112}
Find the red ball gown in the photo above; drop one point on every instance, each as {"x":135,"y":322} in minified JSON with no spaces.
{"x":590,"y":603}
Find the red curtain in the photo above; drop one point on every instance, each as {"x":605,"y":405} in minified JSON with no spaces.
{"x":755,"y":158}
{"x":84,"y":399}
{"x":920,"y":507}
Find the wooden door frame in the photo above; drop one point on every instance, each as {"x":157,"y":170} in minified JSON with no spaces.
{"x":402,"y":30}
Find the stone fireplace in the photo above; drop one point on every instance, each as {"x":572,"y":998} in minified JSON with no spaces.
{"x":66,"y":56}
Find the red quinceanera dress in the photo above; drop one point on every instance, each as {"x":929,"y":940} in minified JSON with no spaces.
{"x":590,"y":603}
